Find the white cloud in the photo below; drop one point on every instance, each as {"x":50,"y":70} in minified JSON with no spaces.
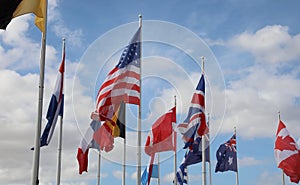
{"x":253,"y":103}
{"x":118,"y":174}
{"x":269,"y":178}
{"x":270,"y":44}
{"x":248,"y":161}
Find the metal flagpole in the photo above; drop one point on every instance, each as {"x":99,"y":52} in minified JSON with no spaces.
{"x":158,"y":166}
{"x":237,"y":173}
{"x":203,"y":143}
{"x":187,"y":176}
{"x":139,"y":112}
{"x":36,"y":160}
{"x":283,"y":180}
{"x":99,"y":166}
{"x":60,"y":128}
{"x":175,"y":149}
{"x":124,"y":145}
{"x":209,"y":163}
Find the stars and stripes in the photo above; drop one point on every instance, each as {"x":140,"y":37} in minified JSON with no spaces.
{"x":195,"y":124}
{"x":122,"y":83}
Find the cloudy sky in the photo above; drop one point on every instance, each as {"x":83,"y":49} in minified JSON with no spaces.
{"x":252,"y":71}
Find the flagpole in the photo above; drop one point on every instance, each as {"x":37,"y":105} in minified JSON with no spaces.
{"x":36,"y":160}
{"x":158,"y":166}
{"x":139,"y":111}
{"x":124,"y":147}
{"x":187,"y":176}
{"x":283,"y":180}
{"x":203,"y":143}
{"x":209,"y":163}
{"x":237,"y":173}
{"x":60,"y":128}
{"x":175,"y":151}
{"x":99,"y":167}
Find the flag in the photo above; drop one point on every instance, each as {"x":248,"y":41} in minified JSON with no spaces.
{"x":287,"y":153}
{"x":101,"y":136}
{"x":151,"y":171}
{"x":10,"y":9}
{"x":122,"y":83}
{"x":162,"y":136}
{"x":195,"y":125}
{"x":56,"y":105}
{"x":192,"y":157}
{"x":97,"y":136}
{"x":226,"y":156}
{"x":181,"y":174}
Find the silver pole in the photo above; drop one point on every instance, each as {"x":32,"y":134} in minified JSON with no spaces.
{"x":175,"y":151}
{"x":60,"y":129}
{"x":36,"y":160}
{"x":203,"y":144}
{"x":99,"y":167}
{"x":124,"y":145}
{"x":139,"y":157}
{"x":283,"y":180}
{"x":237,"y":173}
{"x":209,"y":163}
{"x":158,"y":166}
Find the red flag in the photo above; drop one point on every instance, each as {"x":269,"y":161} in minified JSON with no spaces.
{"x":287,"y":153}
{"x":82,"y":158}
{"x":162,"y":136}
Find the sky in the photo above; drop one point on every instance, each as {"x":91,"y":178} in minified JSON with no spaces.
{"x":252,"y":72}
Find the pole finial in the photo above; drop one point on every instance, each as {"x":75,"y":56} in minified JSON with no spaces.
{"x":279,"y":115}
{"x":202,"y":60}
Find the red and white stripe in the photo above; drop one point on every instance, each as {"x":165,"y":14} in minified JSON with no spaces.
{"x":121,"y":84}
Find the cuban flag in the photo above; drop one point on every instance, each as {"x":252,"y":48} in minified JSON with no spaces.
{"x":194,"y":125}
{"x":56,"y":105}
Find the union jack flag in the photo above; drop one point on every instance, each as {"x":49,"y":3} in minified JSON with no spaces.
{"x":194,"y":125}
{"x":122,"y":83}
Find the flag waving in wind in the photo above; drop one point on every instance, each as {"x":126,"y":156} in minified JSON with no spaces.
{"x":226,"y":156}
{"x":162,"y":136}
{"x":195,"y":124}
{"x":122,"y":84}
{"x":56,"y":105}
{"x":287,"y":153}
{"x":10,"y":9}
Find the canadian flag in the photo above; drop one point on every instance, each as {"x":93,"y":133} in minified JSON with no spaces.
{"x":287,"y":153}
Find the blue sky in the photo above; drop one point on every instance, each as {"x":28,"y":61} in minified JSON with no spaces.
{"x":252,"y":72}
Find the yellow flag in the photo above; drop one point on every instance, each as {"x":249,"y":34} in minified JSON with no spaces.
{"x":40,"y":20}
{"x":38,"y":7}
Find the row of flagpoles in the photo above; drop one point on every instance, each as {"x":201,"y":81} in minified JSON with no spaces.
{"x":108,"y":120}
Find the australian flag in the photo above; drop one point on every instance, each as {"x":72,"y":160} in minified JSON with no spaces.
{"x":226,"y":156}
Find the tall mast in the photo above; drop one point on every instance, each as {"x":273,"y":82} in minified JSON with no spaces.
{"x":139,"y":157}
{"x":36,"y":160}
{"x":203,"y":142}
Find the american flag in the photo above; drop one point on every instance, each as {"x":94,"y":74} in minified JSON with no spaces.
{"x":195,"y":125}
{"x":123,"y":81}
